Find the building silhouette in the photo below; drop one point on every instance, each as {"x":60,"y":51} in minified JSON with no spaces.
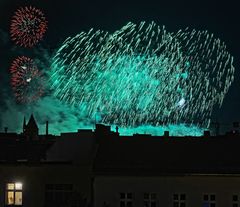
{"x":102,"y":168}
{"x":30,"y":130}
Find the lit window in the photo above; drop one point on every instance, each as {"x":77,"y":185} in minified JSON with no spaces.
{"x":18,"y":198}
{"x":10,"y":186}
{"x":150,"y":200}
{"x":179,"y":200}
{"x":10,"y":198}
{"x":209,"y":200}
{"x":13,"y":194}
{"x":18,"y":186}
{"x":126,"y":199}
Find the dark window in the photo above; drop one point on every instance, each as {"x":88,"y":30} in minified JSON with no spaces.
{"x":212,"y":197}
{"x":153,"y":204}
{"x":126,"y":200}
{"x":146,"y":196}
{"x":146,"y":204}
{"x":122,"y":204}
{"x":235,"y":198}
{"x":122,"y":195}
{"x":153,"y":196}
{"x":129,"y":195}
{"x":58,"y":194}
{"x":175,"y":204}
{"x":129,"y":204}
{"x":182,"y":197}
{"x":212,"y":204}
{"x":205,"y":197}
{"x":235,"y":201}
{"x":209,"y":200}
{"x":175,"y":197}
{"x":179,"y":200}
{"x":182,"y":204}
{"x":150,"y":199}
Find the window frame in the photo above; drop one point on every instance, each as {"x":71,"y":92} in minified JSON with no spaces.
{"x":178,"y":201}
{"x":149,"y":200}
{"x":57,"y":188}
{"x":126,"y":198}
{"x":209,"y":201}
{"x":15,"y":190}
{"x":237,"y":202}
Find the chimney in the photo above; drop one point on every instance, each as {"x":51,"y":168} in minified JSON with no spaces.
{"x":206,"y":133}
{"x":24,"y":125}
{"x":6,"y":130}
{"x":46,"y":127}
{"x":166,"y":134}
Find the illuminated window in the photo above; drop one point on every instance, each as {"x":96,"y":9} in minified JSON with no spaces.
{"x":150,"y":199}
{"x":13,"y":194}
{"x":179,"y":200}
{"x":126,"y":199}
{"x":209,"y":200}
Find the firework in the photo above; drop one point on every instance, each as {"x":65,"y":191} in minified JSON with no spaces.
{"x":143,"y":75}
{"x":26,"y":80}
{"x":28,"y":26}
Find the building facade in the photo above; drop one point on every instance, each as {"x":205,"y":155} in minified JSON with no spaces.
{"x":101,"y":168}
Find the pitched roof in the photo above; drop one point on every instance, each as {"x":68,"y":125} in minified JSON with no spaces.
{"x":32,"y":123}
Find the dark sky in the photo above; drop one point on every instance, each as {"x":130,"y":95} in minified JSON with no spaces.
{"x":72,"y":16}
{"x":69,"y":17}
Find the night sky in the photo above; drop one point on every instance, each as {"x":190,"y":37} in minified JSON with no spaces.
{"x":68,"y":18}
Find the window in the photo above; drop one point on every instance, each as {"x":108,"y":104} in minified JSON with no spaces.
{"x":58,"y":194}
{"x":209,"y":200}
{"x":179,"y":200}
{"x":13,"y":194}
{"x":235,"y":200}
{"x":150,"y":200}
{"x":126,"y":199}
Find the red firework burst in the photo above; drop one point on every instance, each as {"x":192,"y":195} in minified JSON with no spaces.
{"x":28,"y":26}
{"x":26,"y":80}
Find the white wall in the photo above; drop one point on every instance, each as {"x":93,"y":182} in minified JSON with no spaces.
{"x":108,"y":189}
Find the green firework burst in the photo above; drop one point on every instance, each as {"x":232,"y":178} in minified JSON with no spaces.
{"x":143,"y":75}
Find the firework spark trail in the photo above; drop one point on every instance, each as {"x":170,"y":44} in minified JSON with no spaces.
{"x":142,"y":74}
